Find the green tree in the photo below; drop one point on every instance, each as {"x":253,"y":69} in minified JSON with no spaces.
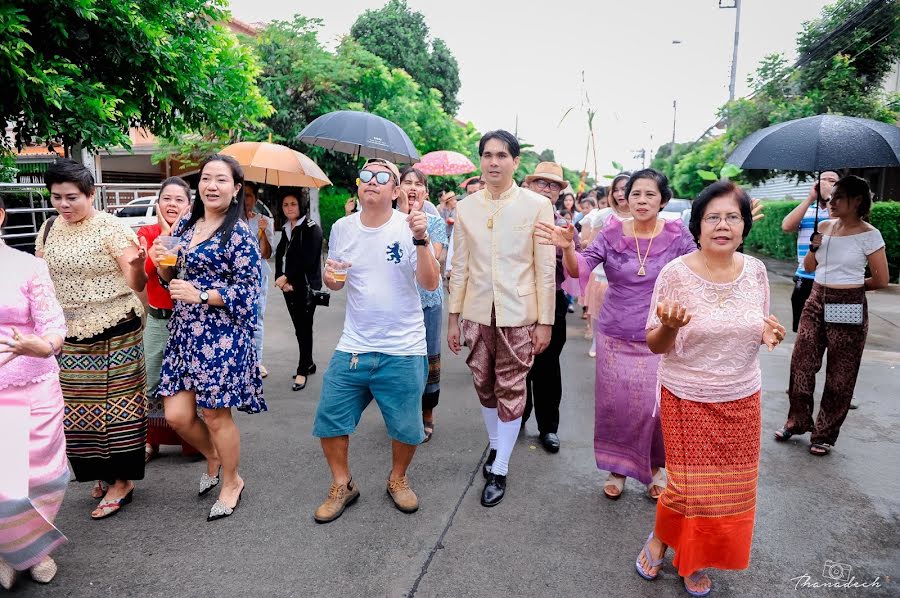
{"x":845,"y":54}
{"x":400,"y":36}
{"x":85,"y":71}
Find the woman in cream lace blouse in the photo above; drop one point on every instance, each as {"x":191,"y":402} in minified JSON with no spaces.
{"x":97,"y":266}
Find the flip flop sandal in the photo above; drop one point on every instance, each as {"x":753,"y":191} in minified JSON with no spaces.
{"x":783,"y":434}
{"x":819,"y":449}
{"x":99,"y":491}
{"x":614,"y":481}
{"x":653,"y":563}
{"x":694,"y":578}
{"x":659,"y":481}
{"x":429,"y":430}
{"x":111,"y":507}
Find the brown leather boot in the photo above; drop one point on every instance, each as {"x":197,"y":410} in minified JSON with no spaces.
{"x":402,"y":495}
{"x":340,"y":496}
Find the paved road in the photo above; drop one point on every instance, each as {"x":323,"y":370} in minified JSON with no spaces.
{"x":554,"y":534}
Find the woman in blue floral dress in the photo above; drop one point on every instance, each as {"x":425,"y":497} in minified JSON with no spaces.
{"x":210,"y":359}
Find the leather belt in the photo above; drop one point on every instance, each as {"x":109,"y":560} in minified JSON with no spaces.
{"x":159,"y":314}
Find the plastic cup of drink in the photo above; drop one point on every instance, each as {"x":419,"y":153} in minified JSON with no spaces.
{"x":339,"y":270}
{"x":171,"y":245}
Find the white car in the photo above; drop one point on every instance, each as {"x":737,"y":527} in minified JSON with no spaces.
{"x":142,"y":211}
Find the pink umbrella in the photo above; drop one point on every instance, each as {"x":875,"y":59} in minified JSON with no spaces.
{"x":444,"y":163}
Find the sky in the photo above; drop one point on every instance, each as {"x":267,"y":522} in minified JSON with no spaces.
{"x":524,"y":64}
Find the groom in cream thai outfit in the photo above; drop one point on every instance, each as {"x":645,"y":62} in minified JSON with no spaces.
{"x":502,"y":297}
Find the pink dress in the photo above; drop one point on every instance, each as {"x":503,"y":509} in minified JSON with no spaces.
{"x":33,"y":470}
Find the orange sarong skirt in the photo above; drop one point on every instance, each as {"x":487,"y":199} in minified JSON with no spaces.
{"x":706,"y":513}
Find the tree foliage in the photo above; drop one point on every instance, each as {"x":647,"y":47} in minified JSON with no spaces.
{"x":303,"y":81}
{"x":400,"y":36}
{"x":842,"y":66}
{"x":85,"y":71}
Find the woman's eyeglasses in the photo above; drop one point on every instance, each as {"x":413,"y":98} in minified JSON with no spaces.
{"x":730,"y":219}
{"x":381,"y":177}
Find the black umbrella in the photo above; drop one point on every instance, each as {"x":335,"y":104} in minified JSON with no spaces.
{"x":817,"y":143}
{"x":360,"y":134}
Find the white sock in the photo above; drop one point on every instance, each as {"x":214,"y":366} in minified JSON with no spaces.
{"x":508,"y":432}
{"x":490,"y":423}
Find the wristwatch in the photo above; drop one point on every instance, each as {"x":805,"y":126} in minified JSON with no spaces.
{"x":204,"y":297}
{"x":422,"y":242}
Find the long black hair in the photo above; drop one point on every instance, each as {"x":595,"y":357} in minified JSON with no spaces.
{"x":235,"y":209}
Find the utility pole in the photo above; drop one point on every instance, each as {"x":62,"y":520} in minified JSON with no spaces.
{"x":734,"y":56}
{"x":674,"y":118}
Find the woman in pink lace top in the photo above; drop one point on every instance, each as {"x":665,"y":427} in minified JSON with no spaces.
{"x":33,"y":473}
{"x":708,"y":317}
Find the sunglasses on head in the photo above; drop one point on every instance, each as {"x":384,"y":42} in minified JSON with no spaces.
{"x":381,"y":177}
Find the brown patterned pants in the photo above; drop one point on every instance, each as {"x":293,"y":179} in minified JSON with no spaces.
{"x":845,"y":344}
{"x":500,"y":359}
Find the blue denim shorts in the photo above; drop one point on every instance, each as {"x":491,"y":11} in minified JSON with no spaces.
{"x":351,"y":382}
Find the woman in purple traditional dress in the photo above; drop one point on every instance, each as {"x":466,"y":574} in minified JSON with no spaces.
{"x":627,"y":434}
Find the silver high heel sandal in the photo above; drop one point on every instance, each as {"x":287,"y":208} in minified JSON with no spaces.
{"x":208,"y":482}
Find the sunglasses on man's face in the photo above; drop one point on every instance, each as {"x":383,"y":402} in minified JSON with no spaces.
{"x":381,"y":177}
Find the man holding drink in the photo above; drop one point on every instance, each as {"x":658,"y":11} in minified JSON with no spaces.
{"x":380,"y":255}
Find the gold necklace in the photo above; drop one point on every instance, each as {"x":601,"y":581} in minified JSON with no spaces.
{"x":490,"y":220}
{"x":719,"y":299}
{"x":641,"y":261}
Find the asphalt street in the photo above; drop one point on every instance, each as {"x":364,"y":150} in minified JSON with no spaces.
{"x":554,"y":534}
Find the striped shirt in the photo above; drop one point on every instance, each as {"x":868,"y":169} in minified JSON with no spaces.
{"x":804,"y":233}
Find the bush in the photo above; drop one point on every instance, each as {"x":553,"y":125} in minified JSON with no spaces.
{"x":767,"y":238}
{"x":886,"y":218}
{"x":331,"y":207}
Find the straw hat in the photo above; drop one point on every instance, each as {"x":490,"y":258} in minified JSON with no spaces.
{"x":549,"y":171}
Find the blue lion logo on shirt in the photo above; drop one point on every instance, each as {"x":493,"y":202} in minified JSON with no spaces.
{"x":394,"y":253}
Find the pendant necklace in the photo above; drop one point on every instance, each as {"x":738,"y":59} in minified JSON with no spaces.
{"x":641,"y":261}
{"x":490,"y":220}
{"x":719,"y":298}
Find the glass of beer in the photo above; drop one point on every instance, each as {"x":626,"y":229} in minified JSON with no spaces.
{"x":340,"y":268}
{"x":171,"y":245}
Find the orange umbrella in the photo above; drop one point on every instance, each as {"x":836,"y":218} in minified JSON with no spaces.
{"x":278,"y":165}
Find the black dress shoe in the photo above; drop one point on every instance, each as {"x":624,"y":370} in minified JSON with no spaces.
{"x":296,"y":387}
{"x":493,"y":491}
{"x":486,"y":470}
{"x":550,"y":441}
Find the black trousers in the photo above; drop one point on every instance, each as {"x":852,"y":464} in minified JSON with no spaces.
{"x":302,"y":317}
{"x":544,"y":382}
{"x":802,"y":289}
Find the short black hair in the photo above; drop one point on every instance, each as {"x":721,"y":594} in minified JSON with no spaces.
{"x":512,"y":144}
{"x":714,"y":191}
{"x":66,"y":170}
{"x":423,"y":178}
{"x":855,"y":186}
{"x":662,"y":183}
{"x":178,"y":182}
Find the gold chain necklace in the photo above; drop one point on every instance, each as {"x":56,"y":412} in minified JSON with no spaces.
{"x":641,"y":261}
{"x":720,"y":299}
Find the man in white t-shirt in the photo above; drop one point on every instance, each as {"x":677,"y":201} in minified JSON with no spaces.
{"x":380,"y":255}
